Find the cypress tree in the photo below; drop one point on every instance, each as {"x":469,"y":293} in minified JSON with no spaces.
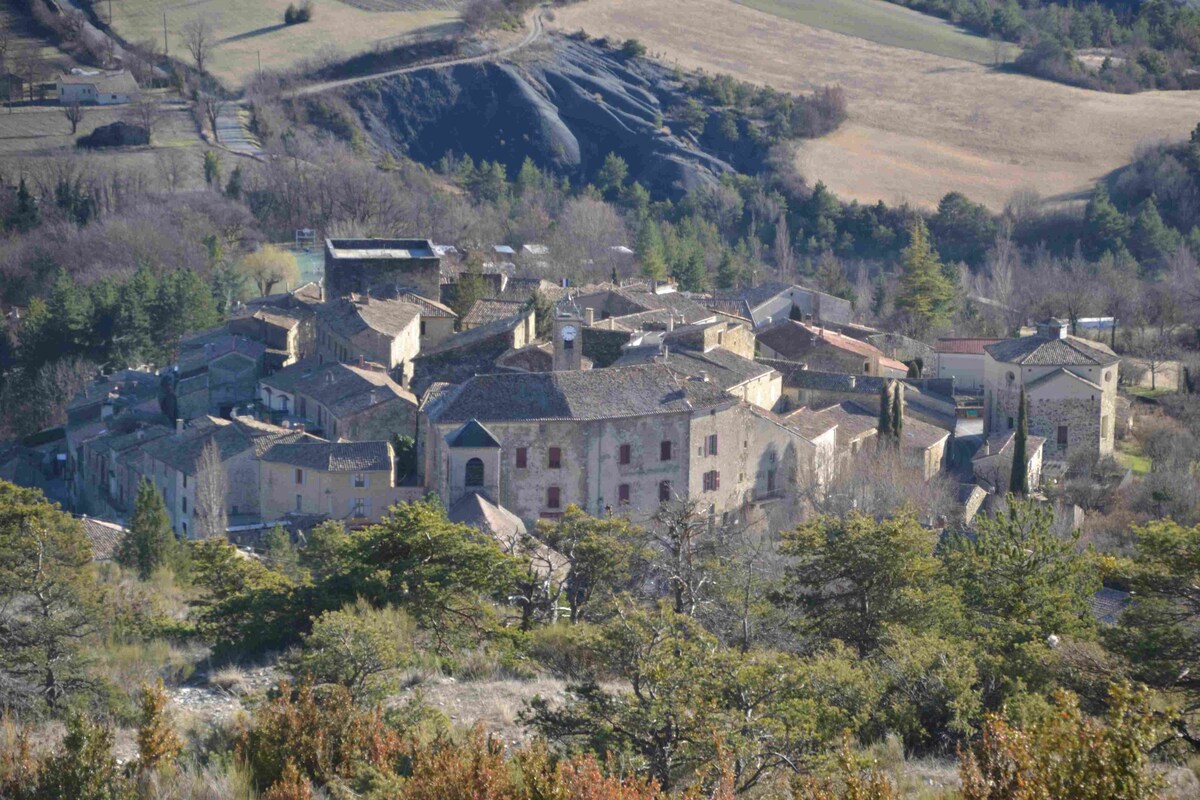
{"x":1018,"y":484}
{"x":885,"y":411}
{"x":898,"y":413}
{"x":149,"y":541}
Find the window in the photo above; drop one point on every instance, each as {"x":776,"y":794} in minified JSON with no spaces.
{"x":360,"y":480}
{"x":474,"y":472}
{"x":712,"y":481}
{"x":185,"y":480}
{"x":623,"y":494}
{"x":664,"y":492}
{"x":233,"y":510}
{"x":522,"y":457}
{"x":625,"y":454}
{"x":710,"y":445}
{"x":1062,"y":435}
{"x":664,"y":451}
{"x":360,"y":507}
{"x":554,"y":458}
{"x":553,"y":497}
{"x":185,"y":533}
{"x":1010,"y":423}
{"x":866,"y":367}
{"x":568,"y":344}
{"x":422,"y":327}
{"x":770,"y":481}
{"x":299,"y":503}
{"x":299,"y":477}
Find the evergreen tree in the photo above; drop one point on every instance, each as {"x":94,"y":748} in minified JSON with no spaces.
{"x":1151,"y":239}
{"x":611,"y":178}
{"x":728,"y":271}
{"x":1108,"y":228}
{"x":233,"y":188}
{"x":133,"y":339}
{"x":282,"y":554}
{"x":529,"y":178}
{"x":149,"y":542}
{"x":543,"y":313}
{"x":469,"y":289}
{"x":212,"y":168}
{"x":898,"y":413}
{"x":25,"y":215}
{"x":885,"y":411}
{"x":651,"y":252}
{"x":184,"y":304}
{"x":691,"y":272}
{"x":1018,"y":484}
{"x":925,"y":291}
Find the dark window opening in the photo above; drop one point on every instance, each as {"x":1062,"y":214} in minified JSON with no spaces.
{"x":474,"y":472}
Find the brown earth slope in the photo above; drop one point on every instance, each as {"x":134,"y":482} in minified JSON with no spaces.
{"x":920,"y":125}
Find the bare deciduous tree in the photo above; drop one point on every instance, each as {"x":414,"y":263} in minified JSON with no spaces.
{"x":212,"y":493}
{"x":199,"y":37}
{"x":145,"y":112}
{"x":685,"y":543}
{"x":74,"y":113}
{"x":170,"y":164}
{"x":212,"y":106}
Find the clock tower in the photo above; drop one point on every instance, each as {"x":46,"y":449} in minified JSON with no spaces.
{"x":568,"y":340}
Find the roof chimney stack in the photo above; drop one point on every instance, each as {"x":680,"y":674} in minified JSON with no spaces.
{"x":589,"y":316}
{"x":179,"y":426}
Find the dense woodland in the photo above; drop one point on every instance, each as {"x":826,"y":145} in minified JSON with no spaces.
{"x":819,"y":662}
{"x":1143,"y":44}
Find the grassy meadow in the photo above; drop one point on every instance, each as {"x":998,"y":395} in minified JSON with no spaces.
{"x":248,"y":31}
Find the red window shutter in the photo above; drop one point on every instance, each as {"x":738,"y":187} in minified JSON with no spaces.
{"x":522,"y":455}
{"x":626,"y":454}
{"x":553,"y":497}
{"x":623,"y":493}
{"x":555,"y":458}
{"x":664,"y":451}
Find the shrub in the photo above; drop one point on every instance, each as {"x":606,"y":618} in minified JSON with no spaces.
{"x":632,"y":48}
{"x":359,"y":647}
{"x":289,"y":14}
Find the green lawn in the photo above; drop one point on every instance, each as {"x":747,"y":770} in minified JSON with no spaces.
{"x":885,"y":23}
{"x":1129,"y":455}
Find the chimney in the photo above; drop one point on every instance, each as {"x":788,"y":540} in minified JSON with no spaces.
{"x":589,"y":316}
{"x":372,"y":397}
{"x":179,"y":426}
{"x":362,"y":361}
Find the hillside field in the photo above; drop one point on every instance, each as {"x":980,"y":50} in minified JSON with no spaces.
{"x":248,"y":30}
{"x":920,"y":124}
{"x":886,"y":23}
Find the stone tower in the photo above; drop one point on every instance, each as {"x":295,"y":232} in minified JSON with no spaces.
{"x":568,"y":339}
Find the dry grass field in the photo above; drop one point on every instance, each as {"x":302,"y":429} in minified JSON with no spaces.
{"x":920,"y":124}
{"x":248,"y":30}
{"x":31,"y":135}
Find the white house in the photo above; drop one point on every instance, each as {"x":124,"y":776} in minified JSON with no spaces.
{"x":96,"y":88}
{"x":962,"y":360}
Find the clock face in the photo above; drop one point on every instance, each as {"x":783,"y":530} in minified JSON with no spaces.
{"x":568,"y":333}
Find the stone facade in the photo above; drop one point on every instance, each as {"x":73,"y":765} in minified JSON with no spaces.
{"x":1070,"y":388}
{"x":360,"y":265}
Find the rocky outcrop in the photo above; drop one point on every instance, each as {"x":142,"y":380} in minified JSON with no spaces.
{"x":566,"y":110}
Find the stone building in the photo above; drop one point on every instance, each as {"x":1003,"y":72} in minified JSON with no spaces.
{"x":349,"y":481}
{"x":171,"y":463}
{"x":340,"y":401}
{"x":216,"y":371}
{"x":771,"y":303}
{"x":1070,"y":389}
{"x":623,"y":439}
{"x":822,"y":349}
{"x":992,"y":464}
{"x":362,"y":327}
{"x":359,"y":265}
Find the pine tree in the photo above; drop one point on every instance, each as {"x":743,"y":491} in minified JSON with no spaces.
{"x":149,"y":541}
{"x":1018,"y":484}
{"x":925,"y":291}
{"x":212,"y":168}
{"x":691,"y":272}
{"x":1107,"y":225}
{"x":728,"y":271}
{"x":157,"y":742}
{"x":651,"y":253}
{"x":611,"y":178}
{"x":898,"y":413}
{"x":885,"y":411}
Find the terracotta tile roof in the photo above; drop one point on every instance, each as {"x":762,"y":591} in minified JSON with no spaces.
{"x":488,"y":311}
{"x":333,"y":456}
{"x":1042,"y":351}
{"x":105,"y":537}
{"x":350,"y":316}
{"x":584,"y":395}
{"x":794,"y":339}
{"x":972,"y":347}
